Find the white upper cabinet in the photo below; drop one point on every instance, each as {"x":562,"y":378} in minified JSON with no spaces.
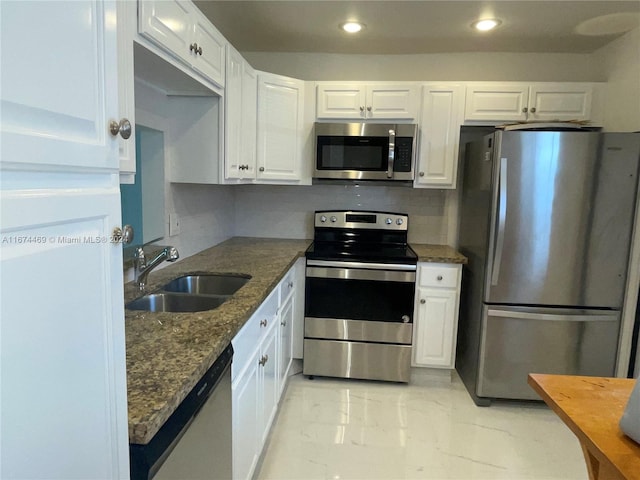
{"x":181,"y":29}
{"x":514,"y":101}
{"x":126,"y":12}
{"x":280,"y":124}
{"x":357,"y":101}
{"x":440,"y":119}
{"x":240,"y":112}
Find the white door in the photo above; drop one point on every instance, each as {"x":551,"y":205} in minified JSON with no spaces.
{"x":168,"y":24}
{"x":249,"y":121}
{"x":347,"y":101}
{"x":442,"y":109}
{"x":269,"y":383}
{"x":209,"y":59}
{"x":496,"y":102}
{"x":280,"y":111}
{"x":285,"y":352}
{"x":63,"y":375}
{"x":233,"y":113}
{"x":246,"y":420}
{"x":392,"y":101}
{"x":560,"y":101}
{"x":435,"y":326}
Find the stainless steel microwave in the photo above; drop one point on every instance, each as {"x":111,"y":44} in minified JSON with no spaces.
{"x":365,"y":151}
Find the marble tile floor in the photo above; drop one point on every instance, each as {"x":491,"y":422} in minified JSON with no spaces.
{"x":431,"y":429}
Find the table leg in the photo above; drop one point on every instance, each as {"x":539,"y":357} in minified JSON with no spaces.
{"x":598,"y":470}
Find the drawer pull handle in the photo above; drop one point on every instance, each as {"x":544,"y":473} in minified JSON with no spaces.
{"x":262,"y":360}
{"x":439,"y":277}
{"x":263,"y":322}
{"x":284,"y":324}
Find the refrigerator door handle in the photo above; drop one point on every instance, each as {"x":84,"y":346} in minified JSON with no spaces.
{"x":577,"y":317}
{"x":502,"y":217}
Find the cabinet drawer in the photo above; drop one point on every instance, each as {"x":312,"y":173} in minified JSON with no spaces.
{"x":287,"y":285}
{"x":253,"y":332}
{"x":438,"y":275}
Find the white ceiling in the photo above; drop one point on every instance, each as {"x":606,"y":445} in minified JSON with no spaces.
{"x":406,"y":27}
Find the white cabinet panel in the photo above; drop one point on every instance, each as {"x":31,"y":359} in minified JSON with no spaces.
{"x":280,"y":120}
{"x":560,"y":101}
{"x":496,"y":101}
{"x":180,"y":29}
{"x":436,"y":315}
{"x":63,"y":356}
{"x":285,"y":346}
{"x":515,"y":101}
{"x":246,"y":420}
{"x":126,"y":12}
{"x":269,"y":383}
{"x":340,"y":101}
{"x":359,"y":101}
{"x":56,"y":106}
{"x":392,"y":101}
{"x":442,"y":115}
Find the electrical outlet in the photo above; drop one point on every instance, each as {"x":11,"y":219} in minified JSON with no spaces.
{"x":174,"y":224}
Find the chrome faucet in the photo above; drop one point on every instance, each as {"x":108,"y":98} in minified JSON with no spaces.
{"x":142,"y":267}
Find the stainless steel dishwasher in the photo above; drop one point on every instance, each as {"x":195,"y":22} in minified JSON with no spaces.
{"x":195,"y":442}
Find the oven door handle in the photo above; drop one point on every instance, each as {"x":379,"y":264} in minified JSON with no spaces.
{"x":358,"y":274}
{"x":364,"y":265}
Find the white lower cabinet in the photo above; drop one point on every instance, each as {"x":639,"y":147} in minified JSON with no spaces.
{"x":436,"y":315}
{"x":261,"y":363}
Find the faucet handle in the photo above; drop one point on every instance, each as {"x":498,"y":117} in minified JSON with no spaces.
{"x":172,"y":254}
{"x":139,"y":256}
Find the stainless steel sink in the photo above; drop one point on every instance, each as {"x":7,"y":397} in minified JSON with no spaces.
{"x":207,"y":284}
{"x":175,"y":302}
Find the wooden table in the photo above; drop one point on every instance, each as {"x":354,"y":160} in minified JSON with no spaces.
{"x":591,"y":407}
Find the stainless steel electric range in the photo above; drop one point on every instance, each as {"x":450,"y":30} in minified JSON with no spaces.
{"x":360,"y":284}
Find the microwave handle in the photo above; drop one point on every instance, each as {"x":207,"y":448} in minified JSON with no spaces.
{"x":392,"y":152}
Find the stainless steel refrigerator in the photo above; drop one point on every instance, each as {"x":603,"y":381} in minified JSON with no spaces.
{"x":546,"y":223}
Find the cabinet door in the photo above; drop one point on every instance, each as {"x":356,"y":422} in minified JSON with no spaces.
{"x":560,"y":101}
{"x":246,"y":412}
{"x":392,"y":102}
{"x":168,"y":24}
{"x":434,"y":327}
{"x":126,"y":103}
{"x":496,"y":102}
{"x":233,"y":113}
{"x":280,"y":116}
{"x":285,"y":346}
{"x":209,"y":58}
{"x":249,"y":121}
{"x":62,"y":335}
{"x":442,"y":115}
{"x":56,"y":106}
{"x":340,"y":101}
{"x":269,"y":384}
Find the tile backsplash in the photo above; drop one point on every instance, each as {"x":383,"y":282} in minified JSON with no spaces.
{"x":287,"y":211}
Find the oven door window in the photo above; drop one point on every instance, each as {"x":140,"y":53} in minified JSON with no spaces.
{"x":352,"y":153}
{"x":359,"y":299}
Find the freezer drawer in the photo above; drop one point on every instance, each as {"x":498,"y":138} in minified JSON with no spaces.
{"x":517,"y":341}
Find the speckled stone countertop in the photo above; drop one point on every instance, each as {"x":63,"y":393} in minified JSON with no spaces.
{"x":438,"y":253}
{"x":167,"y":353}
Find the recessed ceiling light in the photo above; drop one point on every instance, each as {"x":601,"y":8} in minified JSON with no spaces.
{"x":352,"y":27}
{"x":486,"y":24}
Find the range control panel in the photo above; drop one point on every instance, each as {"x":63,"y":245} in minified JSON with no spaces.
{"x":361,"y":219}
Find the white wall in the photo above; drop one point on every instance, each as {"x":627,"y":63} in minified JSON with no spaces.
{"x":620,"y":62}
{"x":287,"y":211}
{"x":539,"y":67}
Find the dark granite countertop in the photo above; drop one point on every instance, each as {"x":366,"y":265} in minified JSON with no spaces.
{"x":167,"y":353}
{"x":438,"y":253}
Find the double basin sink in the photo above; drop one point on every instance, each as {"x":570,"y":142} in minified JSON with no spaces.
{"x":191,"y":293}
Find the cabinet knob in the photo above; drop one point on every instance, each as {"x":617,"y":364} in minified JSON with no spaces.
{"x":261,"y":169}
{"x":361,"y":109}
{"x":123,"y":128}
{"x":284,"y":323}
{"x":421,"y":174}
{"x":193,"y":47}
{"x":122,"y":235}
{"x":263,"y":360}
{"x":290,"y":284}
{"x":199,"y":51}
{"x":263,"y":322}
{"x":439,"y":278}
{"x":369,"y":109}
{"x":525,"y":110}
{"x":423,"y":301}
{"x":533,"y":109}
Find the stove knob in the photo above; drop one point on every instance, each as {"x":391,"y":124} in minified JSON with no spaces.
{"x":399,"y":221}
{"x":388,"y":221}
{"x":333,"y":219}
{"x":323,"y":218}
